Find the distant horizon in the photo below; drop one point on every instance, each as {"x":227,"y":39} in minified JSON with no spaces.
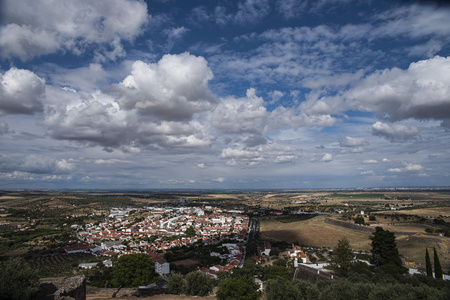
{"x":416,"y":188}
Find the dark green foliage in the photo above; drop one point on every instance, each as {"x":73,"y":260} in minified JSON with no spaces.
{"x":372,"y":218}
{"x":190,"y":232}
{"x":428,"y":264}
{"x":385,"y":254}
{"x":238,"y":288}
{"x":342,"y":259}
{"x":197,"y":284}
{"x":133,"y":270}
{"x":281,"y":289}
{"x":17,"y":280}
{"x":176,"y":284}
{"x":437,"y":266}
{"x":356,"y":289}
{"x":360,"y":220}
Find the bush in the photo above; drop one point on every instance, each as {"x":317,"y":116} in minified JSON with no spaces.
{"x":238,"y":288}
{"x":17,"y":280}
{"x":197,"y":284}
{"x":176,"y":284}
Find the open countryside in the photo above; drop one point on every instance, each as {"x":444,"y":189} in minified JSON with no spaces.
{"x":68,"y":233}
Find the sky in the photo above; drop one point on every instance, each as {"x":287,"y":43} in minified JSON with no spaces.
{"x":244,"y":94}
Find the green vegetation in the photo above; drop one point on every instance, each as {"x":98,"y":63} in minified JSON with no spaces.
{"x":175,"y":284}
{"x":437,"y":266}
{"x":133,"y":270}
{"x":385,"y":254}
{"x":342,"y":258}
{"x":238,"y":288}
{"x":294,"y":218}
{"x":428,"y":267}
{"x":17,"y":280}
{"x":197,"y":284}
{"x":358,"y":196}
{"x":59,"y":265}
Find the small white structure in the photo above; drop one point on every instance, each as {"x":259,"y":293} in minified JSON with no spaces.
{"x":87,"y":265}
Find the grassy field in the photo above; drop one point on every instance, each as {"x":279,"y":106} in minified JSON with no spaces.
{"x":433,"y":212}
{"x":411,"y":239}
{"x":313,"y":232}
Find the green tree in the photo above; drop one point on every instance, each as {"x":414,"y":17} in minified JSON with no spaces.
{"x":437,"y":266}
{"x":360,"y":220}
{"x":176,"y":284}
{"x":133,"y":270}
{"x":190,"y":231}
{"x":428,"y":264}
{"x":238,"y":288}
{"x":385,"y":256}
{"x":197,"y":284}
{"x":281,"y":289}
{"x":17,"y":280}
{"x":342,"y":259}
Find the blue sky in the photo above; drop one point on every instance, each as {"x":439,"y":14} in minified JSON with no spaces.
{"x":251,"y":94}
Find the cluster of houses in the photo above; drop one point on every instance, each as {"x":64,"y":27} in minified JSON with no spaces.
{"x":161,"y":230}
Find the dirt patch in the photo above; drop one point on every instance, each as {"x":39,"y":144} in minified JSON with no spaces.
{"x":186,"y":262}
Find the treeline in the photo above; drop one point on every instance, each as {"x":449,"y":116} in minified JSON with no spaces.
{"x":360,"y":287}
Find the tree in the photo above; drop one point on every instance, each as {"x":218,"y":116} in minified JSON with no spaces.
{"x":238,"y":288}
{"x":437,"y":266}
{"x":428,"y":264}
{"x":385,"y":256}
{"x":133,"y":270}
{"x":360,"y":220}
{"x":197,"y":284}
{"x":176,"y":284}
{"x":190,"y":231}
{"x":17,"y":280}
{"x":342,"y":259}
{"x":281,"y":289}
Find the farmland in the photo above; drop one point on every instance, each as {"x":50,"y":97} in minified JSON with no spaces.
{"x":33,"y":221}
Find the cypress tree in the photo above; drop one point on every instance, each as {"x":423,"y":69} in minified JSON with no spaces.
{"x":437,"y":266}
{"x":428,"y":264}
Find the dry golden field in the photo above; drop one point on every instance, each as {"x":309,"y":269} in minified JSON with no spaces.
{"x":432,"y":212}
{"x":411,"y":239}
{"x":313,"y":232}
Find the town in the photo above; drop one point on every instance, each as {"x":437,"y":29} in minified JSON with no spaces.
{"x":162,"y":229}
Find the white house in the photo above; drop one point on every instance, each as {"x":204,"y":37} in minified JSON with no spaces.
{"x":162,"y":267}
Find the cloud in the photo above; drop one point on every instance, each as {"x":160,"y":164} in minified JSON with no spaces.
{"x":352,"y":142}
{"x":408,"y":167}
{"x":38,"y":164}
{"x":35,"y":28}
{"x":282,"y":117}
{"x":174,"y":35}
{"x":173,"y":89}
{"x":413,"y":167}
{"x":369,"y":172}
{"x":219,"y":179}
{"x":370,"y":161}
{"x":268,"y":153}
{"x":421,"y":92}
{"x":4,"y":128}
{"x":327,"y":157}
{"x":248,"y":12}
{"x":152,"y":107}
{"x":394,"y":132}
{"x":242,"y":115}
{"x":21,"y":92}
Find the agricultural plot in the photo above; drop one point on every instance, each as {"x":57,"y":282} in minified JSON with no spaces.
{"x":59,"y":265}
{"x":313,"y":232}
